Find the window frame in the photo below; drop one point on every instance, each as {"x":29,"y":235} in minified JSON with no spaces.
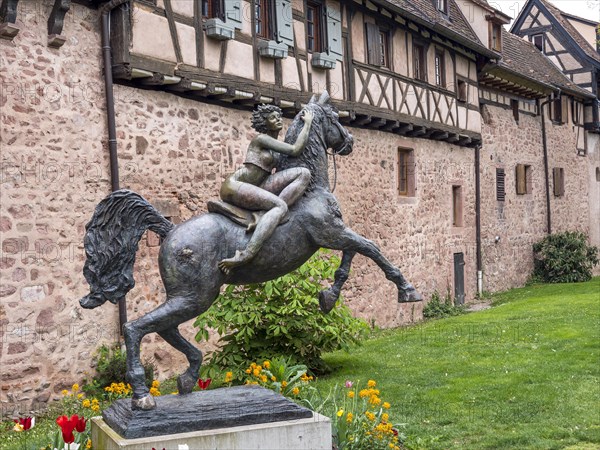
{"x":500,"y":184}
{"x":495,"y":36}
{"x":405,"y":172}
{"x":543,"y":38}
{"x":558,"y":181}
{"x":440,"y":68}
{"x":442,"y":6}
{"x":514,"y":104}
{"x":319,"y":36}
{"x":215,"y":9}
{"x":420,"y":61}
{"x":523,"y":179}
{"x":265,"y":20}
{"x":378,"y":45}
{"x":457,"y":206}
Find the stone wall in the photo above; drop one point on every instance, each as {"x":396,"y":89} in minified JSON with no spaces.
{"x":520,"y":220}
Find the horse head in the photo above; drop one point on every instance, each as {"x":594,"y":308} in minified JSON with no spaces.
{"x":334,"y":135}
{"x":325,"y":132}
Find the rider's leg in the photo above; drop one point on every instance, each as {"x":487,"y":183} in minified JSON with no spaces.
{"x":255,"y":198}
{"x":288,"y":184}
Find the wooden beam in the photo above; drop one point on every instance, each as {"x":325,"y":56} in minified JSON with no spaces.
{"x":56,"y":22}
{"x":404,"y":128}
{"x":417,"y":131}
{"x":464,"y":140}
{"x":377,"y":122}
{"x":8,"y":18}
{"x":391,"y":125}
{"x":452,"y":138}
{"x":362,"y":119}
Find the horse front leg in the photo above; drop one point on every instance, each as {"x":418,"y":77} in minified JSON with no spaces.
{"x":348,"y":240}
{"x":328,"y":297}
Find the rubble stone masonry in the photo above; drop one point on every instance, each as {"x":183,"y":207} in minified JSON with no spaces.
{"x":175,"y":152}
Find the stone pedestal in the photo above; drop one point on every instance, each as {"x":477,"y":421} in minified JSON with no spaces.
{"x":241,"y":417}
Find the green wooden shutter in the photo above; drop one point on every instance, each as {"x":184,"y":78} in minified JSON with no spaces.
{"x":334,"y":32}
{"x":233,"y":12}
{"x":373,"y":48}
{"x":283,"y":15}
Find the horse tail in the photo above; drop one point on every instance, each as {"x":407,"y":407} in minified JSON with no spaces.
{"x":111,"y":242}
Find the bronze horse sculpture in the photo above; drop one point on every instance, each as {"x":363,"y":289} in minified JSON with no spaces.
{"x":191,"y":251}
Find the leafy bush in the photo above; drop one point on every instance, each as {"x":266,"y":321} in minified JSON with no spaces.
{"x":279,"y":318}
{"x":111,"y":368}
{"x":564,"y":258}
{"x":437,"y":309}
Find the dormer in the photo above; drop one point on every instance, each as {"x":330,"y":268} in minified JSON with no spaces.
{"x":486,"y":21}
{"x":496,"y":20}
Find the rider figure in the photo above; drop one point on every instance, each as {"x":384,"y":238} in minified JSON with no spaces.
{"x":256,"y":188}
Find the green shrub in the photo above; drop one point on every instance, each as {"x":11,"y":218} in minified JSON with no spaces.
{"x":564,"y":258}
{"x":111,"y":367}
{"x":437,"y":309}
{"x":279,"y":318}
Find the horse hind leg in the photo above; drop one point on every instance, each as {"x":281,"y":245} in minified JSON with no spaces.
{"x":187,"y":380}
{"x":167,"y":316}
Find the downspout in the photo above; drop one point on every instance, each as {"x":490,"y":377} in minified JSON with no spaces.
{"x":110,"y":115}
{"x":478,"y":220}
{"x":546,"y":168}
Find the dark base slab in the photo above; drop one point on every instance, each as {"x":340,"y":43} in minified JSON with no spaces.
{"x":204,"y":410}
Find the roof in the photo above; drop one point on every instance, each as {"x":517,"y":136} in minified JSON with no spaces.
{"x":521,"y":57}
{"x":562,"y":18}
{"x":455,"y":24}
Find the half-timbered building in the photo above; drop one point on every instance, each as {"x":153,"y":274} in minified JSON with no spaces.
{"x":431,"y":91}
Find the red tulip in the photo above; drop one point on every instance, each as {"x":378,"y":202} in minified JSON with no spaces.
{"x":25,"y":422}
{"x":67,"y":426}
{"x":203,"y":384}
{"x":80,"y":425}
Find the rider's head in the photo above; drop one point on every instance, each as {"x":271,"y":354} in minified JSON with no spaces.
{"x":259,"y":116}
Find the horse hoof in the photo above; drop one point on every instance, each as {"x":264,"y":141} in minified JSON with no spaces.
{"x":185,"y":383}
{"x":327,"y":300}
{"x":144,"y":403}
{"x":409,"y":295}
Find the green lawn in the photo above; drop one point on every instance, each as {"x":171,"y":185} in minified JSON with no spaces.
{"x":523,"y":374}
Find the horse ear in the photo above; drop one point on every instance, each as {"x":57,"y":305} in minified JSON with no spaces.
{"x":324,"y":98}
{"x":313,"y":99}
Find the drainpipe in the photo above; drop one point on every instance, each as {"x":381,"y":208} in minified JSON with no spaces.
{"x":110,"y":115}
{"x":546,"y":168}
{"x":478,"y":220}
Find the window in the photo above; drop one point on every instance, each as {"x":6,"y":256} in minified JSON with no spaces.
{"x":496,"y":36}
{"x":314,"y":30}
{"x":440,"y":68}
{"x":500,"y":191}
{"x":457,"y":206}
{"x":262,"y":17}
{"x":212,"y":9}
{"x":406,"y":172}
{"x":461,"y":91}
{"x":558,"y":180}
{"x":523,"y":178}
{"x":419,"y":65}
{"x":538,"y":41}
{"x":514,"y":104}
{"x":560,"y":109}
{"x":378,"y":50}
{"x":442,"y":6}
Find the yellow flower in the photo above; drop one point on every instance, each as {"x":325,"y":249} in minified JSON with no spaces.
{"x":349,"y":417}
{"x":371,"y":383}
{"x":155,"y":384}
{"x":86,"y":403}
{"x":154,"y":392}
{"x":295,"y":391}
{"x":283,"y":384}
{"x":18,"y":427}
{"x":364,"y":393}
{"x":75,"y":387}
{"x":340,"y":413}
{"x":64,"y":392}
{"x":256,"y":372}
{"x":174,"y":392}
{"x":79,"y":396}
{"x":374,"y":400}
{"x":386,"y":405}
{"x":350,"y":394}
{"x":267,"y":365}
{"x":88,"y":444}
{"x":259,"y":368}
{"x":95,"y":401}
{"x":385,"y":417}
{"x":248,"y":371}
{"x":263,"y":378}
{"x":95,"y":408}
{"x":370,"y":415}
{"x":228,"y":377}
{"x":273,"y":378}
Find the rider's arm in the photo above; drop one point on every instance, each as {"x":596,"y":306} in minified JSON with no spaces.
{"x":266,"y":141}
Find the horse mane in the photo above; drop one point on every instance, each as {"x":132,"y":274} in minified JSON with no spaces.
{"x":313,"y":152}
